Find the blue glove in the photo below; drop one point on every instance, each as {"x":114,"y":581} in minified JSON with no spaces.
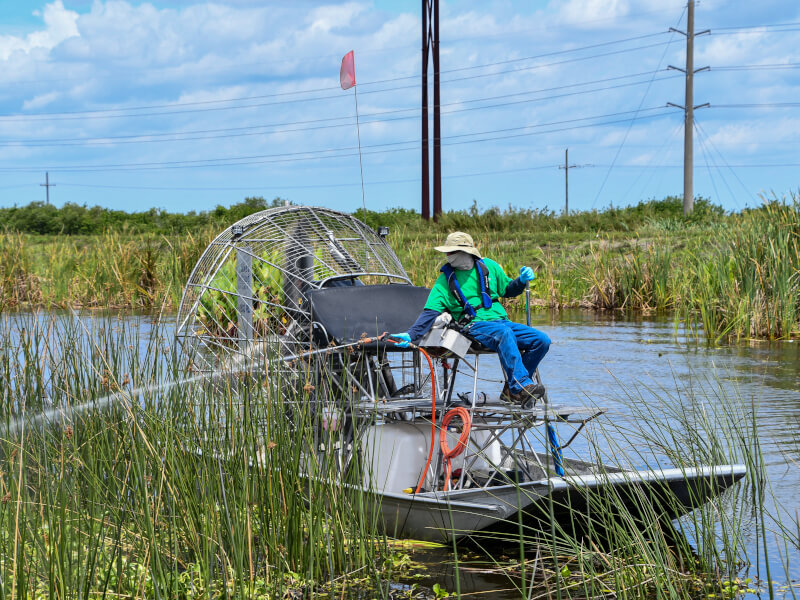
{"x":404,"y":338}
{"x":526,"y":274}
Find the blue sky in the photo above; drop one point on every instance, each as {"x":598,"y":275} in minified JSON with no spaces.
{"x":184,"y":105}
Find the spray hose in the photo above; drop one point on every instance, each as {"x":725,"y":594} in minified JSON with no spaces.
{"x":433,"y":411}
{"x":449,"y":454}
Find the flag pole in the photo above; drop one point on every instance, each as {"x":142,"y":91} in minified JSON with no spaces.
{"x":360,"y":162}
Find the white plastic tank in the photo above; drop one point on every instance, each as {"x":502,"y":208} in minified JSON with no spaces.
{"x":483,"y":454}
{"x":395,"y":455}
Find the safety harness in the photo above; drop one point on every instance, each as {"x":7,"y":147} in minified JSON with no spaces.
{"x":483,"y":280}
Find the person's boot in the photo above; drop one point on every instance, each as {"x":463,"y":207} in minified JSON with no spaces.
{"x":530,"y":394}
{"x":507,"y":395}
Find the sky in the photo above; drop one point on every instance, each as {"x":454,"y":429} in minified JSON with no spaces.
{"x":186,"y":105}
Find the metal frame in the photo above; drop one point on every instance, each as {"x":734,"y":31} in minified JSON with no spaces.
{"x":293,"y":250}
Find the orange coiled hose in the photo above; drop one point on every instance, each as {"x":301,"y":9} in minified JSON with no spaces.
{"x":463,"y":439}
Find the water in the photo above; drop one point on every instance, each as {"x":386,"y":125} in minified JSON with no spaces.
{"x":595,"y":358}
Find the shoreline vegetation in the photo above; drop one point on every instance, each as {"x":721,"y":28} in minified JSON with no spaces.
{"x":727,"y":276}
{"x":113,"y":485}
{"x":209,"y":491}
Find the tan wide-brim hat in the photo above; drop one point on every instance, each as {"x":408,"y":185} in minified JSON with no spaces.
{"x":458,"y":241}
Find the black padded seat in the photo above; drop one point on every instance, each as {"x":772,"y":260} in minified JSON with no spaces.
{"x":347,"y":313}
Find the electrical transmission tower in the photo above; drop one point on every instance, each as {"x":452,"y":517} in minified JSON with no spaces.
{"x":689,"y":108}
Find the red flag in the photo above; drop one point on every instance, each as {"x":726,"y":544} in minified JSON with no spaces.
{"x":347,"y":74}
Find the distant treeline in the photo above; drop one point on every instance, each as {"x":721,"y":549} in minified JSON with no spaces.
{"x":512,"y":219}
{"x":76,"y":219}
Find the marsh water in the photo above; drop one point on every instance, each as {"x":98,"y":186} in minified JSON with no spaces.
{"x":602,"y":359}
{"x":606,"y":359}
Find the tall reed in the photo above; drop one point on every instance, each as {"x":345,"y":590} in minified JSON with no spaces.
{"x":199,"y":490}
{"x":635,"y":552}
{"x":735,"y":276}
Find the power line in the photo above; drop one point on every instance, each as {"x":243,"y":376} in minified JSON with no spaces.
{"x":711,"y":143}
{"x":85,"y":115}
{"x":306,"y":186}
{"x":759,"y":105}
{"x":628,"y":130}
{"x":764,"y":67}
{"x":727,"y":166}
{"x":335,"y":88}
{"x":793,"y":24}
{"x":251,"y":130}
{"x":770,"y":31}
{"x":658,"y":153}
{"x":775,"y":66}
{"x":704,"y":150}
{"x":387,"y":181}
{"x":720,"y":173}
{"x":329,"y":153}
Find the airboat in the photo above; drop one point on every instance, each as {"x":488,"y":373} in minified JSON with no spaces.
{"x":311,"y":293}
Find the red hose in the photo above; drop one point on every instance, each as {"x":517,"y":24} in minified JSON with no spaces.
{"x":433,"y":419}
{"x":433,"y":415}
{"x":463,"y":439}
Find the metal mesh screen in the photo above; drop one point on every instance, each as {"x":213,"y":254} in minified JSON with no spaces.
{"x":247,"y":296}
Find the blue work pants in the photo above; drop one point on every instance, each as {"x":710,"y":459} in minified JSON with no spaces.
{"x":519,"y":347}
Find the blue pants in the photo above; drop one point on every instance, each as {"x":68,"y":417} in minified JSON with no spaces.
{"x":519,"y":347}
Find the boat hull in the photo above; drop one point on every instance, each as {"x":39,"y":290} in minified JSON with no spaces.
{"x":578,"y":504}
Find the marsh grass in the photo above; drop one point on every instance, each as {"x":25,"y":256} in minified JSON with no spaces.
{"x":718,"y":550}
{"x":727,"y":276}
{"x":195,"y":491}
{"x":208,"y":490}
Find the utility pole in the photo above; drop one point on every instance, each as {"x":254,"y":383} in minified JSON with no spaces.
{"x":437,"y":130}
{"x":566,"y":168}
{"x":688,"y":109}
{"x":47,"y":185}
{"x":426,"y":36}
{"x":430,"y":46}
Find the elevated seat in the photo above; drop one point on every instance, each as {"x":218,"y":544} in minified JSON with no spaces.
{"x":347,"y":313}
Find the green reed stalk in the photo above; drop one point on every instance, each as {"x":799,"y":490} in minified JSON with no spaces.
{"x":198,"y":491}
{"x":737,"y":275}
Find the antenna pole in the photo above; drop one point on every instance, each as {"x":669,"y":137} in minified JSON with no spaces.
{"x":360,"y":163}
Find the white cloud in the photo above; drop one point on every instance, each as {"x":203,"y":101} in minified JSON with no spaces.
{"x":60,"y":24}
{"x":730,"y":49}
{"x":579,"y":12}
{"x":130,"y":53}
{"x":751,"y":137}
{"x":327,"y":18}
{"x":41,"y":100}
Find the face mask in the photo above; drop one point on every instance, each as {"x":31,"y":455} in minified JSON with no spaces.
{"x":461,"y":261}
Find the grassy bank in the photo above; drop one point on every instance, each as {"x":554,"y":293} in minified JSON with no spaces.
{"x":736,"y":275}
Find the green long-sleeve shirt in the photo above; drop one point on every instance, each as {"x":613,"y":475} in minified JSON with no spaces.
{"x":442,"y":300}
